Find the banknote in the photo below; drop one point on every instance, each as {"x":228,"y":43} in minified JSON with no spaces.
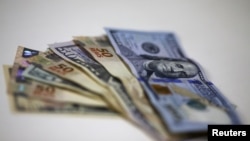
{"x":21,"y":101}
{"x":167,"y":74}
{"x":75,"y":54}
{"x":56,"y":65}
{"x":71,"y":53}
{"x":51,"y":93}
{"x":104,"y":91}
{"x":36,"y":72}
{"x":21,"y":62}
{"x":103,"y":53}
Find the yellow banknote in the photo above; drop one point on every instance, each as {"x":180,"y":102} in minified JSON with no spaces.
{"x":55,"y":64}
{"x":28,"y":102}
{"x":22,"y":62}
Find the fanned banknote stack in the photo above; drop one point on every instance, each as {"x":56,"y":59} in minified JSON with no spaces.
{"x":144,"y":77}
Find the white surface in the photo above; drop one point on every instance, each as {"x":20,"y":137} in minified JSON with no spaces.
{"x":215,"y":33}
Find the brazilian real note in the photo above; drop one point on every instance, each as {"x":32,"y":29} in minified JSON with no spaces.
{"x":40,"y":100}
{"x":56,"y":65}
{"x":61,"y":74}
{"x":72,"y":54}
{"x":44,"y":90}
{"x":171,"y":81}
{"x":102,"y":52}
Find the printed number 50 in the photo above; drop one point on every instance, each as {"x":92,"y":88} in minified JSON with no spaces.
{"x":104,"y":52}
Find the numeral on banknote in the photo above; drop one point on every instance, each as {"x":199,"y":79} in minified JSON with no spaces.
{"x":44,"y":91}
{"x":61,"y":68}
{"x":101,"y":52}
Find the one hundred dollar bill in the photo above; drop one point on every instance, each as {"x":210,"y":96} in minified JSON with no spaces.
{"x":25,"y":101}
{"x":172,"y":81}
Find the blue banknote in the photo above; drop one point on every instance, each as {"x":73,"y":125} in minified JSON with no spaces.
{"x":176,"y":85}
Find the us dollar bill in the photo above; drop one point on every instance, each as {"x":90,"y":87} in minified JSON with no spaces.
{"x":167,"y":74}
{"x":23,"y":101}
{"x":103,"y":53}
{"x":22,"y":62}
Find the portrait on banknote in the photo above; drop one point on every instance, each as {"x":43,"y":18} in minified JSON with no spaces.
{"x":169,"y":68}
{"x":175,"y":84}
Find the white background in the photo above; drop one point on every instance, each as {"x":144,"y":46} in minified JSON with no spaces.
{"x":215,"y":33}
